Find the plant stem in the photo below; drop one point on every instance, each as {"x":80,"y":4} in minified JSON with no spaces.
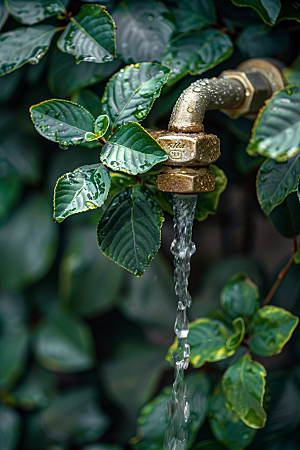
{"x":101,"y":140}
{"x":281,"y":274}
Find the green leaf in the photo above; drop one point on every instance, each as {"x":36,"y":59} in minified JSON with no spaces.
{"x":276,"y":131}
{"x":75,"y":415}
{"x":10,"y":428}
{"x":132,"y":377}
{"x":207,"y":202}
{"x":13,"y":314}
{"x":132,"y":150}
{"x":24,"y":45}
{"x":102,"y":447}
{"x":130,"y":93}
{"x":289,"y":10}
{"x":144,"y":29}
{"x":297,"y":256}
{"x":27,"y":251}
{"x":243,"y":385}
{"x":134,"y":219}
{"x":78,"y":191}
{"x":153,"y":420}
{"x":120,"y":181}
{"x":239,"y":332}
{"x":86,"y":274}
{"x":64,"y":344}
{"x":275,"y":181}
{"x":285,"y":218}
{"x":209,"y":444}
{"x":3,"y":14}
{"x":194,"y":14}
{"x":240,"y":296}
{"x":90,"y":36}
{"x":270,"y":329}
{"x":207,"y":340}
{"x":65,"y":76}
{"x":13,"y":353}
{"x":268,"y":10}
{"x":35,"y":389}
{"x":62,"y":121}
{"x":225,"y":424}
{"x":88,"y":99}
{"x":34,"y":11}
{"x":262,"y":41}
{"x":195,"y":52}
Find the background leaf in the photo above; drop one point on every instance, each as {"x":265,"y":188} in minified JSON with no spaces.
{"x":144,"y":29}
{"x":275,"y":181}
{"x":225,"y":424}
{"x":88,"y":99}
{"x":10,"y":428}
{"x":133,"y":218}
{"x":286,"y":217}
{"x":3,"y":14}
{"x":62,"y":121}
{"x":268,"y":11}
{"x":13,"y":353}
{"x":24,"y":45}
{"x":194,"y":14}
{"x":132,"y":150}
{"x":243,"y":385}
{"x":130,"y":93}
{"x":207,"y":202}
{"x":240,"y":296}
{"x":90,"y":35}
{"x":64,"y":344}
{"x":31,"y":12}
{"x":196,"y":52}
{"x":270,"y":329}
{"x":78,"y":191}
{"x":276,"y":132}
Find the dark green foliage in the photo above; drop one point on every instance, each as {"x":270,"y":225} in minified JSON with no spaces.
{"x":82,"y":341}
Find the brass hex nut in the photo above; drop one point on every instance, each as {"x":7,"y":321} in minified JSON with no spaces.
{"x":185,"y":180}
{"x":190,"y":148}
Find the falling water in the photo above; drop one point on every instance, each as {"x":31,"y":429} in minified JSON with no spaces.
{"x":183,"y":248}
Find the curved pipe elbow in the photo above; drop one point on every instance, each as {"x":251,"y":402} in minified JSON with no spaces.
{"x":216,"y":93}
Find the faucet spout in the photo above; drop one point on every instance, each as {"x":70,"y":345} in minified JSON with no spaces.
{"x":216,"y":93}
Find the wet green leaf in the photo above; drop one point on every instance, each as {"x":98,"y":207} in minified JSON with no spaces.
{"x":276,"y":131}
{"x":3,"y":14}
{"x":88,"y":282}
{"x":132,"y":150}
{"x":90,"y":35}
{"x":27,"y":251}
{"x":64,"y":344}
{"x":13,"y":354}
{"x":285,"y":218}
{"x":134,"y":218}
{"x":10,"y":428}
{"x":78,"y":191}
{"x":62,"y":121}
{"x":262,"y":41}
{"x":268,"y":10}
{"x":101,"y":126}
{"x":195,"y":52}
{"x":238,"y":334}
{"x":207,"y":340}
{"x":88,"y":99}
{"x":34,"y":11}
{"x":35,"y":389}
{"x":243,"y":385}
{"x":65,"y":76}
{"x":240,"y":296}
{"x":275,"y":181}
{"x":75,"y":415}
{"x":24,"y":45}
{"x":131,"y":92}
{"x":144,"y":29}
{"x":194,"y":14}
{"x":270,"y":329}
{"x":207,"y":202}
{"x":153,"y":421}
{"x":225,"y":424}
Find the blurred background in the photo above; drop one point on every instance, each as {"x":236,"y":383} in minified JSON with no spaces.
{"x":82,"y":341}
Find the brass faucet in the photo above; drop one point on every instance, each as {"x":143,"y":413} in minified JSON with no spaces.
{"x":240,"y":92}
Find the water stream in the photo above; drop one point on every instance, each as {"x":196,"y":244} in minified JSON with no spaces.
{"x":182,"y":247}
